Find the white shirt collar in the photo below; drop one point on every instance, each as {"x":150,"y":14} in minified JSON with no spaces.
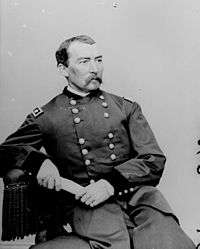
{"x":72,"y":90}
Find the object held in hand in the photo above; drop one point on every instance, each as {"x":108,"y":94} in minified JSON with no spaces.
{"x":70,"y":186}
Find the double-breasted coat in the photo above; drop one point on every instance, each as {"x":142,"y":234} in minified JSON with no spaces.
{"x":100,"y":136}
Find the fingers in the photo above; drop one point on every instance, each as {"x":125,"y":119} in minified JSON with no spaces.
{"x":95,"y":203}
{"x":85,"y":197}
{"x":50,"y":182}
{"x":80,"y":194}
{"x":90,"y":196}
{"x":48,"y":176}
{"x":88,"y":199}
{"x":97,"y":193}
{"x":58,"y":184}
{"x":40,"y":180}
{"x":45,"y":181}
{"x":84,"y":194}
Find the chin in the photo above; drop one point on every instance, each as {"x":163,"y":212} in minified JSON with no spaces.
{"x":94,"y":86}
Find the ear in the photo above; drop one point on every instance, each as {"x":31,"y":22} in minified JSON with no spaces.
{"x":63,"y":70}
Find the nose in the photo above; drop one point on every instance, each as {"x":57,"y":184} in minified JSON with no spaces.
{"x":93,"y":67}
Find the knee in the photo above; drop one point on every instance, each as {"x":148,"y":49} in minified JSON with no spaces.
{"x":68,"y":242}
{"x":143,"y":214}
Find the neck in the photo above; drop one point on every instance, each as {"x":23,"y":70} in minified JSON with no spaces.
{"x":77,"y":91}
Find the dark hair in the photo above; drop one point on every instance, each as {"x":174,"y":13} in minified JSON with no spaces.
{"x":62,"y":52}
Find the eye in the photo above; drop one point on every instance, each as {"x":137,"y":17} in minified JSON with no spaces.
{"x":99,"y":60}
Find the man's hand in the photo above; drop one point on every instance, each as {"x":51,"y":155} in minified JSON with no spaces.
{"x":48,"y":176}
{"x":96,"y":193}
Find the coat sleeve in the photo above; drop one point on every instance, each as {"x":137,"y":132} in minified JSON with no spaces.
{"x":146,"y":165}
{"x":22,"y":148}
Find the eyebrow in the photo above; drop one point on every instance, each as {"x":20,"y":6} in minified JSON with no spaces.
{"x":88,"y":58}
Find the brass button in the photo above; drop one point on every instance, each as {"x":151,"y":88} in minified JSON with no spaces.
{"x":125,"y":191}
{"x":106,"y":115}
{"x":104,"y":104}
{"x":77,"y":120}
{"x":111,"y":146}
{"x":120,"y":193}
{"x":110,"y":135}
{"x":131,"y":189}
{"x":72,"y":102}
{"x":75,"y":110}
{"x":81,"y":140}
{"x":84,"y":151}
{"x":101,"y":97}
{"x":87,"y":162}
{"x":113,"y":156}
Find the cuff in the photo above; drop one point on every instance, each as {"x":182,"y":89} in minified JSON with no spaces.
{"x":123,"y":188}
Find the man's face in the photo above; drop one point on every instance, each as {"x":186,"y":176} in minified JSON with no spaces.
{"x":85,"y":67}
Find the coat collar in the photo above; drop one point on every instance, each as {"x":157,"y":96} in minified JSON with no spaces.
{"x":82,"y":94}
{"x":71,"y":94}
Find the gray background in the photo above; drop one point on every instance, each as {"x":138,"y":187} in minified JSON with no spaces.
{"x":151,"y":55}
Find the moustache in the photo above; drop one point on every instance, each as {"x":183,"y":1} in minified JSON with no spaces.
{"x":94,"y":78}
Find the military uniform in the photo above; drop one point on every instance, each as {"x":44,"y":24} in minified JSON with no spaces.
{"x":100,"y":136}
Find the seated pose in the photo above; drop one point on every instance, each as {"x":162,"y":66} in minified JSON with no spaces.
{"x":100,"y":148}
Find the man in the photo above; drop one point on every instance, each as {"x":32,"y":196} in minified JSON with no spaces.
{"x":102,"y":142}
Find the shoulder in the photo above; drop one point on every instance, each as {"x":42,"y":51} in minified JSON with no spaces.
{"x":116,"y":98}
{"x":41,"y":114}
{"x":133,"y":105}
{"x":43,"y":110}
{"x":124,"y":102}
{"x":37,"y":111}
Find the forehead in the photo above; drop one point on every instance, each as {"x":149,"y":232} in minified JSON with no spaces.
{"x":79,"y":49}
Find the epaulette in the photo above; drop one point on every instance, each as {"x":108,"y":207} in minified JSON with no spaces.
{"x":37,"y":112}
{"x":128,"y":100}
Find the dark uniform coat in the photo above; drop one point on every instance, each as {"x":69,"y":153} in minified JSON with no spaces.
{"x":100,"y":136}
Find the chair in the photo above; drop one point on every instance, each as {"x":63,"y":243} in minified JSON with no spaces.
{"x":28,"y":209}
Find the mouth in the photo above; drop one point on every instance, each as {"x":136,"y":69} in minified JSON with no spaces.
{"x":95,"y":79}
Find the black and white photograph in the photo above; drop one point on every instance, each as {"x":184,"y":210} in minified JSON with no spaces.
{"x":99,"y":124}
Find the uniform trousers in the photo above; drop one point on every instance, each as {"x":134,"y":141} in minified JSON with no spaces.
{"x":153,"y":230}
{"x":112,"y":226}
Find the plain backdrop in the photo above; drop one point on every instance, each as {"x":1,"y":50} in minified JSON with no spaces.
{"x":151,"y":55}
